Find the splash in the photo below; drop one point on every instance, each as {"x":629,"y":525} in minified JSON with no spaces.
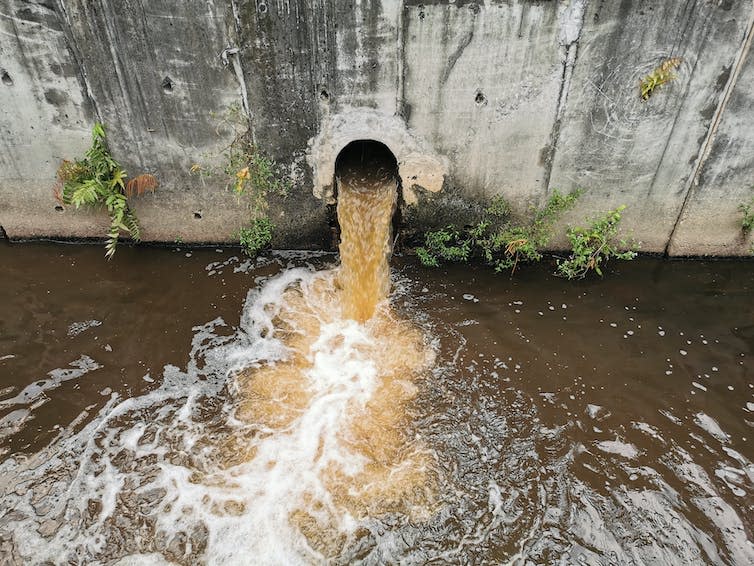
{"x":334,"y":411}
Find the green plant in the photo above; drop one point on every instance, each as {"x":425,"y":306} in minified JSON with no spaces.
{"x":253,"y":177}
{"x":98,"y":180}
{"x":659,"y":76}
{"x":502,"y":243}
{"x":594,"y":245}
{"x":509,"y":244}
{"x":747,"y":210}
{"x":256,"y":236}
{"x":447,"y":243}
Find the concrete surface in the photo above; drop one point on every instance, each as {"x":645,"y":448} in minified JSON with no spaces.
{"x":474,"y":97}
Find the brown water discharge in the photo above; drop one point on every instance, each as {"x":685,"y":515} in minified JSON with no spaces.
{"x":337,"y":404}
{"x":367,"y":194}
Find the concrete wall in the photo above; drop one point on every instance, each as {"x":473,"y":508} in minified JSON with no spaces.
{"x":474,"y":97}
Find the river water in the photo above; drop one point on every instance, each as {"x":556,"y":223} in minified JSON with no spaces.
{"x":193,"y":406}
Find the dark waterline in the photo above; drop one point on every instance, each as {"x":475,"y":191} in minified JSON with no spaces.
{"x":545,"y":389}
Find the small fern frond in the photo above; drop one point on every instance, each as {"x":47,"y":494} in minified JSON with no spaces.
{"x":112,"y":240}
{"x":57,"y":191}
{"x":98,"y":132}
{"x":86,"y":193}
{"x":117,"y":179}
{"x":132,"y":225}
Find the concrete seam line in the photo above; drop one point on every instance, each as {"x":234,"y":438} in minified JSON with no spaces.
{"x":71,"y":45}
{"x":570,"y":49}
{"x":401,"y":60}
{"x":235,"y":52}
{"x":712,"y":131}
{"x":678,"y":113}
{"x":456,"y":55}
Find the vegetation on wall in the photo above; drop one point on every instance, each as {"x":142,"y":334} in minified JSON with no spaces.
{"x":448,"y":244}
{"x":256,"y":236}
{"x":98,"y":180}
{"x":747,"y":220}
{"x":659,"y":76}
{"x":252,"y":176}
{"x":502,"y":242}
{"x":507,"y":244}
{"x":592,"y":246}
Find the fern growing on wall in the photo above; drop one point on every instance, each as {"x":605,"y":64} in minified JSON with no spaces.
{"x":98,"y":180}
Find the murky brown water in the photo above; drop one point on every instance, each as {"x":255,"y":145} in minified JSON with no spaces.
{"x":601,"y":422}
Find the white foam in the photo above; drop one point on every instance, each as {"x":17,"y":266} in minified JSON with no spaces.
{"x":710,"y":425}
{"x":624,"y":449}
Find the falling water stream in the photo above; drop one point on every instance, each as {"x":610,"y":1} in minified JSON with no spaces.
{"x":455,"y":418}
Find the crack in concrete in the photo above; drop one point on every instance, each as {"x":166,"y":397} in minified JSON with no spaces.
{"x":679,"y":110}
{"x":712,"y":131}
{"x":572,"y":22}
{"x":238,"y":70}
{"x":456,"y":55}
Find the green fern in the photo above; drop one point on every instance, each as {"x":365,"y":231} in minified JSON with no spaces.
{"x":86,"y":193}
{"x":506,"y":244}
{"x":98,"y":180}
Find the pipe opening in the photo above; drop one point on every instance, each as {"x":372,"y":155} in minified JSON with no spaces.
{"x":369,"y":161}
{"x":365,"y":165}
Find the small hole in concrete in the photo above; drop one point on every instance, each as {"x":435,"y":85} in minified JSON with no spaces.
{"x":480,"y":99}
{"x":324,"y":95}
{"x":6,"y":78}
{"x":262,"y":8}
{"x":167,"y":85}
{"x":59,"y":208}
{"x":198,"y":214}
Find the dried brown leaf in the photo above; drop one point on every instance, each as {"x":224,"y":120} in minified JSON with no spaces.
{"x":141,"y":184}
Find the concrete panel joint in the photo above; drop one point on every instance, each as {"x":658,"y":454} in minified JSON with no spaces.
{"x":712,"y":133}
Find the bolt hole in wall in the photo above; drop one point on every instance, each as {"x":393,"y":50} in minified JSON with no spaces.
{"x":167,"y":85}
{"x":6,"y":78}
{"x":480,"y":99}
